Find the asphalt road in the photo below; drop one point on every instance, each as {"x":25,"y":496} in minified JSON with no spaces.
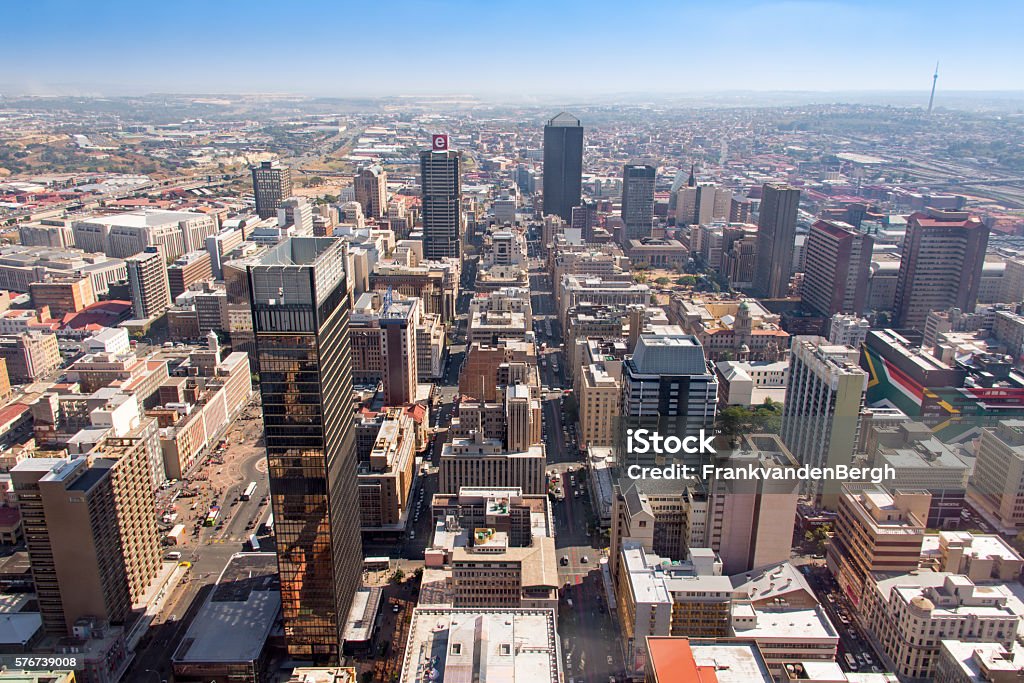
{"x":209,"y":550}
{"x":838,"y":608}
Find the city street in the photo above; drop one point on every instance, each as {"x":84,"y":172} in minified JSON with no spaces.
{"x":843,"y":617}
{"x":208,"y":551}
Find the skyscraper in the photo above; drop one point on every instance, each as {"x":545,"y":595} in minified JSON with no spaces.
{"x":371,"y":189}
{"x":669,"y":379}
{"x":776,"y":237}
{"x":398,"y":321}
{"x":271,"y":182}
{"x":149,"y":283}
{"x":563,"y":165}
{"x":940,"y":266}
{"x":837,"y":263}
{"x":300,"y":310}
{"x":637,"y":201}
{"x":442,"y":200}
{"x":821,"y":413}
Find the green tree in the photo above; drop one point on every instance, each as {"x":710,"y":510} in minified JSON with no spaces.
{"x":398,"y":576}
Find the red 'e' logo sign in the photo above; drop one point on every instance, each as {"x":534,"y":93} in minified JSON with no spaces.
{"x":440,"y":142}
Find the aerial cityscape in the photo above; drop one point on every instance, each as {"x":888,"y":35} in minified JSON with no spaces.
{"x":446,"y":356}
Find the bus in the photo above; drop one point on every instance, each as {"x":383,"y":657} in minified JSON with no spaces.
{"x":211,"y":516}
{"x":269,"y":524}
{"x":254,"y":544}
{"x":249,"y":491}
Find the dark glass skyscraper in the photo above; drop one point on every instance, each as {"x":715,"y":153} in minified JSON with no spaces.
{"x":442,"y":202}
{"x":271,"y":183}
{"x":776,"y":240}
{"x":637,"y":201}
{"x":563,"y":165}
{"x":300,"y":311}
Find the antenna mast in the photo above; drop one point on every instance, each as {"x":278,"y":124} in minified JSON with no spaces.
{"x":935,"y":79}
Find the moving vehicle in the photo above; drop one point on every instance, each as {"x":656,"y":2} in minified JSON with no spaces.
{"x":254,"y":543}
{"x":174,"y":555}
{"x":175,"y":535}
{"x":211,"y":516}
{"x":249,"y":491}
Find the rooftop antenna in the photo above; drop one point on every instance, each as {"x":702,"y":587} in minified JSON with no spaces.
{"x":935,"y":79}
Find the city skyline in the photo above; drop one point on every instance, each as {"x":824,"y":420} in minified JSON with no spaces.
{"x":600,"y":55}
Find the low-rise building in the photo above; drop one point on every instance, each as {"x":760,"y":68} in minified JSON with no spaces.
{"x":461,"y":644}
{"x":226,"y":640}
{"x":961,"y":662}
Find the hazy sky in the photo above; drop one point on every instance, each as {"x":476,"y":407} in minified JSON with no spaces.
{"x":510,"y":47}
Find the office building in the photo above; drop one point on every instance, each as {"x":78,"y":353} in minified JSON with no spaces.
{"x":979,"y":557}
{"x":385,"y":477}
{"x":659,"y":597}
{"x":227,"y":639}
{"x":62,"y":295}
{"x":837,"y":262}
{"x":271,"y":183}
{"x":186,"y":271}
{"x":776,"y":237}
{"x":91,"y":534}
{"x":999,"y":475}
{"x":148,"y":280}
{"x":441,"y":181}
{"x":371,"y":191}
{"x":848,"y":330}
{"x":30,"y":355}
{"x":456,"y":644}
{"x":121,"y":235}
{"x":300,"y":310}
{"x":668,"y":377}
{"x":677,"y":659}
{"x":940,"y":266}
{"x":876,"y":531}
{"x":960,"y":662}
{"x":477,"y":461}
{"x":598,"y":393}
{"x":563,"y":165}
{"x":701,"y":203}
{"x":296,"y":213}
{"x":917,"y":460}
{"x":910,"y":616}
{"x":399,"y":362}
{"x":637,"y":201}
{"x":820,"y":417}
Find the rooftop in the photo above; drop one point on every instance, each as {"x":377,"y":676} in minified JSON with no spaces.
{"x":466,"y":645}
{"x":234,"y":623}
{"x":143,"y":218}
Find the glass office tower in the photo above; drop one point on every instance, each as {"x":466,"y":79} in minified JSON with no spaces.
{"x":300,"y":309}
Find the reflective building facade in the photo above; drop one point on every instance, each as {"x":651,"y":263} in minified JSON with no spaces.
{"x":563,"y":165}
{"x":300,"y":307}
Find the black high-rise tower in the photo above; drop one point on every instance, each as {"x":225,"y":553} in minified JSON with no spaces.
{"x":563,"y":165}
{"x":300,"y":313}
